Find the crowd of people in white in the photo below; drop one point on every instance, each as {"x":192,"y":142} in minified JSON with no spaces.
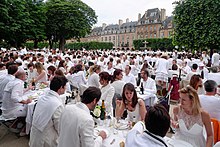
{"x":116,"y":73}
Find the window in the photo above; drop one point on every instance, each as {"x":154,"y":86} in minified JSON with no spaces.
{"x":113,"y":37}
{"x":110,"y":38}
{"x":162,"y":35}
{"x":155,"y":28}
{"x":155,"y":35}
{"x":150,"y":35}
{"x":105,"y":38}
{"x":102,"y":38}
{"x":153,"y":13}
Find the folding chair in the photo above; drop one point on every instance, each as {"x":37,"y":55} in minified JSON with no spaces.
{"x":6,"y":123}
{"x":165,"y":101}
{"x":150,"y":101}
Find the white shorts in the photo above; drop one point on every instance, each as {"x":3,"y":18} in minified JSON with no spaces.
{"x":161,"y":77}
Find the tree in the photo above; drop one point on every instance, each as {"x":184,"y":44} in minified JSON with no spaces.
{"x":197,"y":24}
{"x":68,"y":19}
{"x":15,"y":21}
{"x":38,"y":16}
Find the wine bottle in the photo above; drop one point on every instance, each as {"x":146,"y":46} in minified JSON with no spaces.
{"x":33,"y":83}
{"x":142,"y":88}
{"x":133,"y":121}
{"x":102,"y":115}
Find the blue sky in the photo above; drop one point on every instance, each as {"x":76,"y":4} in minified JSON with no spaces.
{"x":110,"y":11}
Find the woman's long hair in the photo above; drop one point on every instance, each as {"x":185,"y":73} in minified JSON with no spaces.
{"x":193,"y":96}
{"x":130,"y":87}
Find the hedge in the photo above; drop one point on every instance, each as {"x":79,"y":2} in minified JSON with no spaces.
{"x":154,"y":43}
{"x":76,"y":46}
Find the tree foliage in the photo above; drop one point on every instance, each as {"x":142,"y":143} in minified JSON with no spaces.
{"x":76,"y":45}
{"x":55,"y":20}
{"x":197,"y":24}
{"x":154,"y":43}
{"x":68,"y":19}
{"x":20,"y":21}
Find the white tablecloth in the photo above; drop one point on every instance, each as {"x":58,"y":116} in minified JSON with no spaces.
{"x":115,"y":136}
{"x":30,"y":107}
{"x":149,"y":98}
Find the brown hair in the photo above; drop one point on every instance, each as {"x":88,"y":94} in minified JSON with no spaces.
{"x":116,"y":73}
{"x":105,"y":76}
{"x":194,"y":81}
{"x":58,"y":72}
{"x":131,"y":88}
{"x":51,"y":68}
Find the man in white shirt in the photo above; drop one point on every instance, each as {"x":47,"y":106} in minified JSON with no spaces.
{"x":148,"y":83}
{"x":109,"y":68}
{"x":77,"y":125}
{"x":203,"y":71}
{"x":13,"y":104}
{"x":46,"y":117}
{"x":185,"y":68}
{"x":3,"y":71}
{"x":155,"y":130}
{"x":209,"y":101}
{"x":128,"y":77}
{"x":12,"y":69}
{"x":193,"y":72}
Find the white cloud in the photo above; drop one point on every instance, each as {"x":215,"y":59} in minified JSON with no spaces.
{"x":110,"y":11}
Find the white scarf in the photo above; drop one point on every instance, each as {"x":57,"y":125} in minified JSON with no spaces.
{"x":45,"y":108}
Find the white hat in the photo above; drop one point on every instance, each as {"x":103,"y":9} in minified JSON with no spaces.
{"x":18,"y":60}
{"x":201,"y":64}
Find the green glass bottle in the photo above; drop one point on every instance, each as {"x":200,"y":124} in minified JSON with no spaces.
{"x":102,"y":115}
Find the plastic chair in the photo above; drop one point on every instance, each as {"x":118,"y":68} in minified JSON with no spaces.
{"x":216,"y":126}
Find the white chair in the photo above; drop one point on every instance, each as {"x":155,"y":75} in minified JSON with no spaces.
{"x":217,"y":144}
{"x":82,"y":88}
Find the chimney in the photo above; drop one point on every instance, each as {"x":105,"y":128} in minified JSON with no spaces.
{"x":120,"y":22}
{"x":127,"y":20}
{"x":163,"y":14}
{"x":139,"y":16}
{"x":103,"y":26}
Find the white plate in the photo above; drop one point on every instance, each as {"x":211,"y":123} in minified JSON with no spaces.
{"x":121,"y":125}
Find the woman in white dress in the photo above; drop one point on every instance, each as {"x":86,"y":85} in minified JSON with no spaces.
{"x":41,"y":73}
{"x":78,"y":76}
{"x":117,"y":83}
{"x":190,"y":118}
{"x":107,"y":91}
{"x":62,"y":66}
{"x":93,"y":79}
{"x":135,"y":107}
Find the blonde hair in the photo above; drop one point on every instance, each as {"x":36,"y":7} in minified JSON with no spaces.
{"x":193,"y":96}
{"x":39,"y":67}
{"x":93,"y":68}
